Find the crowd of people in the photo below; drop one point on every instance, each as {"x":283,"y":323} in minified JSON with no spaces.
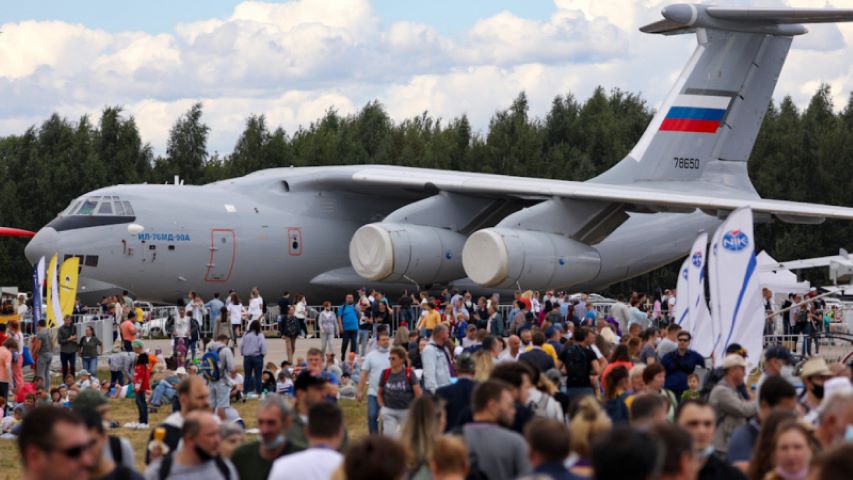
{"x":451,"y":390}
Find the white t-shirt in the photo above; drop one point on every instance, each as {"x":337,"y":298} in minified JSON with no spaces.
{"x":182,"y":327}
{"x":255,"y":309}
{"x":311,"y":464}
{"x":235,"y":313}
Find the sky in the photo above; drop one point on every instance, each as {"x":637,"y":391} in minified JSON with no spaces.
{"x":293,"y":60}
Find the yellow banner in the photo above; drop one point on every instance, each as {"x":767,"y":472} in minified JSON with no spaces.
{"x":50,"y":317}
{"x":68,"y":285}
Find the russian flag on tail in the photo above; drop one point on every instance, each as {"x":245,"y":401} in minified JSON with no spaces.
{"x":696,"y":114}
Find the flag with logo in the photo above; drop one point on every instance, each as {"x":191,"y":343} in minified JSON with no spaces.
{"x":700,"y":325}
{"x":682,"y":295}
{"x":735,"y":294}
{"x":68,"y":284}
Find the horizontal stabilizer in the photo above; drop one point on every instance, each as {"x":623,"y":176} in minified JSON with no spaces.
{"x":684,"y":17}
{"x":782,"y":15}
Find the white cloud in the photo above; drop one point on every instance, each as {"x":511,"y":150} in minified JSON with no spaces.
{"x":294,"y":60}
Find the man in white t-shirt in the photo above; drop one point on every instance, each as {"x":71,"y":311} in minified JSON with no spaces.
{"x":325,"y":432}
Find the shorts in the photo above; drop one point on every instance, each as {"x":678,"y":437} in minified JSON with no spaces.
{"x":220,"y":395}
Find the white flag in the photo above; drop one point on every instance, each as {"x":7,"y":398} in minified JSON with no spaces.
{"x":735,"y":292}
{"x":682,"y":296}
{"x":699,"y":322}
{"x":40,"y":272}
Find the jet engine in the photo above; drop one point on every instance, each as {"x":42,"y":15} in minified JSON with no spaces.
{"x":509,"y":258}
{"x":415,"y":253}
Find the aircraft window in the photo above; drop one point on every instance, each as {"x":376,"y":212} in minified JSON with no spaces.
{"x":88,"y":206}
{"x":91,"y":261}
{"x":128,"y":210}
{"x":106,"y":207}
{"x":119,"y":209}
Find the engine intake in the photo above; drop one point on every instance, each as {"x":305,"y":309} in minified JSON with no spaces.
{"x":404,"y":252}
{"x":507,"y":258}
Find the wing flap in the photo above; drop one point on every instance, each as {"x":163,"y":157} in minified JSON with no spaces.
{"x":782,"y":15}
{"x":647,"y":196}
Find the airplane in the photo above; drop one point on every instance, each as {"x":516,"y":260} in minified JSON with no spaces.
{"x":323,"y":231}
{"x":840,"y":266}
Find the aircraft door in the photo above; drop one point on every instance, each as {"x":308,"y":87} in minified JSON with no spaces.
{"x":223,"y":251}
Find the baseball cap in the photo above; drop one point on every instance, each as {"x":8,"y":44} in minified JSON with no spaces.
{"x":835,"y":386}
{"x":181,"y":371}
{"x":733,"y":360}
{"x":84,"y":373}
{"x":137,"y":344}
{"x":779,"y":352}
{"x":735,"y":348}
{"x":549,"y":332}
{"x":815,"y":367}
{"x":305,"y":381}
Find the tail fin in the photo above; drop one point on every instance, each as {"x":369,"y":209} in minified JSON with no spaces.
{"x":706,"y":127}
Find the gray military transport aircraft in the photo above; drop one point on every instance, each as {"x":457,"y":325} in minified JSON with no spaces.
{"x":324,"y":230}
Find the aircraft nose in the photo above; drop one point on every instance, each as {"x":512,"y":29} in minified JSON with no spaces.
{"x":43,"y":244}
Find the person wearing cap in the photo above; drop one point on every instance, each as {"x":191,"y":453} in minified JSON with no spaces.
{"x":128,"y":331}
{"x":457,"y":396}
{"x":814,"y":374}
{"x":309,"y":390}
{"x":778,"y":361}
{"x":731,"y":409}
{"x":87,"y":381}
{"x":835,"y":414}
{"x":167,"y":389}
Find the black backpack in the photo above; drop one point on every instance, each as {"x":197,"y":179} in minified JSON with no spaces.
{"x":575,"y":361}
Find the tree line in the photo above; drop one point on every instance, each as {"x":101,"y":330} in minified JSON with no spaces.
{"x":802,"y":155}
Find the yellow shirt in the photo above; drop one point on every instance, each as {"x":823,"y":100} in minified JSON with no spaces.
{"x":431,"y":320}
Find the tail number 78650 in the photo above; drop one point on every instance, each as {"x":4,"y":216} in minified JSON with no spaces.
{"x":686,"y":163}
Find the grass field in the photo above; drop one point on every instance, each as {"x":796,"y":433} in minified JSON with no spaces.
{"x":124,"y":411}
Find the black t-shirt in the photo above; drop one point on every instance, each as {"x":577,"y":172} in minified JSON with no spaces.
{"x":538,"y":358}
{"x":283,"y":306}
{"x":578,"y":362}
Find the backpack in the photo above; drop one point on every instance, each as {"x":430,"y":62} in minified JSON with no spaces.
{"x":210,"y":368}
{"x":166,"y":467}
{"x":576,"y":366}
{"x":540,"y":408}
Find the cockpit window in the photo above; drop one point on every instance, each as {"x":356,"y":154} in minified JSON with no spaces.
{"x":88,"y":206}
{"x":101,"y":206}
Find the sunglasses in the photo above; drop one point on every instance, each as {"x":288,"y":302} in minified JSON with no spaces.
{"x":683,"y":339}
{"x":76,"y":451}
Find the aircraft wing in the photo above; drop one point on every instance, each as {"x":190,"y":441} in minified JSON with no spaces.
{"x":653,"y":199}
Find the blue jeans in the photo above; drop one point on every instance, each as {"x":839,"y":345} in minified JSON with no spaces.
{"x":372,"y":414}
{"x":116,"y":378}
{"x":348,"y":337}
{"x":253,"y":366}
{"x":90,"y":364}
{"x":363,"y":337}
{"x":162,"y":390}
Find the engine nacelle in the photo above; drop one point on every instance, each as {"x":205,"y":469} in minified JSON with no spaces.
{"x":507,"y":258}
{"x":404,"y":252}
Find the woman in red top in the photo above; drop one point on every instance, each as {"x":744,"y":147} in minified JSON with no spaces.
{"x":141,"y":384}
